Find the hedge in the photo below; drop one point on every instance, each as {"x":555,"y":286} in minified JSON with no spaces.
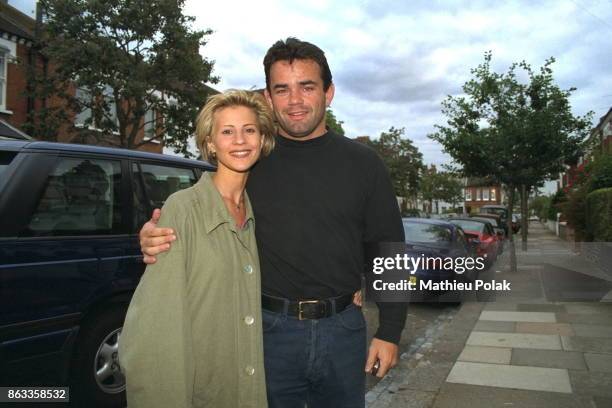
{"x":599,"y":215}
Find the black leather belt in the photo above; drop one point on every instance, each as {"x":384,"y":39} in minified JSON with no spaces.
{"x":307,"y":309}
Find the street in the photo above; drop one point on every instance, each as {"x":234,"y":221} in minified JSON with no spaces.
{"x":545,"y":343}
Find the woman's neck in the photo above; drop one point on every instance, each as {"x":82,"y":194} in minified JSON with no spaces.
{"x":231,"y":185}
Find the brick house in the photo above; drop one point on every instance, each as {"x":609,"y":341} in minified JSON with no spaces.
{"x":600,"y":140}
{"x":17,"y":33}
{"x":479,"y":192}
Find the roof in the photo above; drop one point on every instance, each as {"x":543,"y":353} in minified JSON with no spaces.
{"x":111,"y":151}
{"x":10,"y":132}
{"x":13,"y":21}
{"x":480,"y":182}
{"x":601,"y":121}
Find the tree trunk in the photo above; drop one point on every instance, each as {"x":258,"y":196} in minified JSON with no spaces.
{"x":523,"y":217}
{"x":510,"y":234}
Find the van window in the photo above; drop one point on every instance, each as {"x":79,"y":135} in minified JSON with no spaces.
{"x":81,"y":197}
{"x":5,"y":159}
{"x":153,"y":184}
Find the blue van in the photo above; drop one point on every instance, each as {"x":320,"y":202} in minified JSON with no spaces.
{"x":70,"y":259}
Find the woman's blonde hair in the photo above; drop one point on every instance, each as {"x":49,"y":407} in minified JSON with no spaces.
{"x":234,"y":97}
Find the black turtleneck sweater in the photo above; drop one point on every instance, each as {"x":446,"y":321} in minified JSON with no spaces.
{"x":316,"y":204}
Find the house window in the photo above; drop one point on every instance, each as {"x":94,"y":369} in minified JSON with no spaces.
{"x":3,"y":79}
{"x":493,"y":194}
{"x":109,"y":98}
{"x":150,"y":127}
{"x":479,"y":194}
{"x":468,"y":194}
{"x":84,"y":117}
{"x":485,"y":194}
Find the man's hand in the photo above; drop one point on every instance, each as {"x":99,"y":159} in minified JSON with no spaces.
{"x":154,"y":240}
{"x":357,"y":298}
{"x":383,"y":351}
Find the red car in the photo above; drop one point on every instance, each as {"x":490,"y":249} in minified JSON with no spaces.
{"x":481,"y":234}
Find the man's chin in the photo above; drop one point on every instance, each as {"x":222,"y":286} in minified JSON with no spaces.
{"x":298,"y":132}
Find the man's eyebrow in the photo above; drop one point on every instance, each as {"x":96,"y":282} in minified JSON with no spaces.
{"x":308,"y":82}
{"x":278,"y":86}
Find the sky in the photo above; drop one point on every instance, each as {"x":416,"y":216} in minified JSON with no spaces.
{"x":393,"y":62}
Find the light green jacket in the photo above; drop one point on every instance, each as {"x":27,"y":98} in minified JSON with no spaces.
{"x":192,"y":336}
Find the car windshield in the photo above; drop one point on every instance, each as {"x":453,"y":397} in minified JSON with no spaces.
{"x":470,"y":225}
{"x":497,"y":211}
{"x":493,"y":221}
{"x":427,"y":233}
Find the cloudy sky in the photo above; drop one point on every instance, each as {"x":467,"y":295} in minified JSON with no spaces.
{"x":393,"y":62}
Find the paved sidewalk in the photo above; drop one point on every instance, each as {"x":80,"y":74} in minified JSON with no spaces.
{"x":531,"y":347}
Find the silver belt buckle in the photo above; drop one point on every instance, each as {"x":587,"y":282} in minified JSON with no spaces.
{"x":300,"y":303}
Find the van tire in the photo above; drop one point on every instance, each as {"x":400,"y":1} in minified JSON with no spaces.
{"x":96,"y":348}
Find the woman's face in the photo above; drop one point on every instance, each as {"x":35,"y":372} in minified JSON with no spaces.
{"x":236,"y":139}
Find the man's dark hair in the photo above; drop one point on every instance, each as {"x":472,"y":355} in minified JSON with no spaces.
{"x":292,"y":49}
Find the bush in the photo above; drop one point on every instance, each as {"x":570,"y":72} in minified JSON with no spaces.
{"x":600,"y":172}
{"x":556,"y":203}
{"x":574,"y":211}
{"x":599,"y":215}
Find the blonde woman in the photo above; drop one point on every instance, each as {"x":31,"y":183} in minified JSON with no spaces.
{"x":192,"y":335}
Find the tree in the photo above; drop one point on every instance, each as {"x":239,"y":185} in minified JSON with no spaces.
{"x":333,"y":123}
{"x":440,"y":186}
{"x":127,"y":64}
{"x":403,"y":160}
{"x":515,"y":133}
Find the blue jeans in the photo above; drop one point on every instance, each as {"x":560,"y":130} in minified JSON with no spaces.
{"x":315,"y":362}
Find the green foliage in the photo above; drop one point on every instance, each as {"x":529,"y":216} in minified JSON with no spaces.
{"x":440,"y":186}
{"x":580,"y":213}
{"x":138,"y":55}
{"x":512,"y":132}
{"x":539,"y":205}
{"x":599,"y":215}
{"x":333,"y":123}
{"x":600,"y":172}
{"x":403,"y":160}
{"x":557,"y":202}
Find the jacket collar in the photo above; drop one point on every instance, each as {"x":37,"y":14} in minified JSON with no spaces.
{"x":213,"y":207}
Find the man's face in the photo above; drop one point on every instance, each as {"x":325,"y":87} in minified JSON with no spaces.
{"x":298,"y":99}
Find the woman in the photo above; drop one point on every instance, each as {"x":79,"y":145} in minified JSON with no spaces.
{"x":192,"y":335}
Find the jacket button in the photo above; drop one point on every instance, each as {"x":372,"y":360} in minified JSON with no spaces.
{"x":250,"y":370}
{"x":248,"y":269}
{"x":249,"y":320}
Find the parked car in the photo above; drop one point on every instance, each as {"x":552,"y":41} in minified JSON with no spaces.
{"x":516,"y":223}
{"x":70,"y":259}
{"x":413,"y":212}
{"x":498,"y":210}
{"x":500,"y":232}
{"x":496,"y":221}
{"x":436,"y":238}
{"x":480,"y":233}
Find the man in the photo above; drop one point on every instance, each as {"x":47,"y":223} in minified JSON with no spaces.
{"x":318,"y":199}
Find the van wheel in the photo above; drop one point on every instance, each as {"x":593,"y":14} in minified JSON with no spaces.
{"x":97,"y":380}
